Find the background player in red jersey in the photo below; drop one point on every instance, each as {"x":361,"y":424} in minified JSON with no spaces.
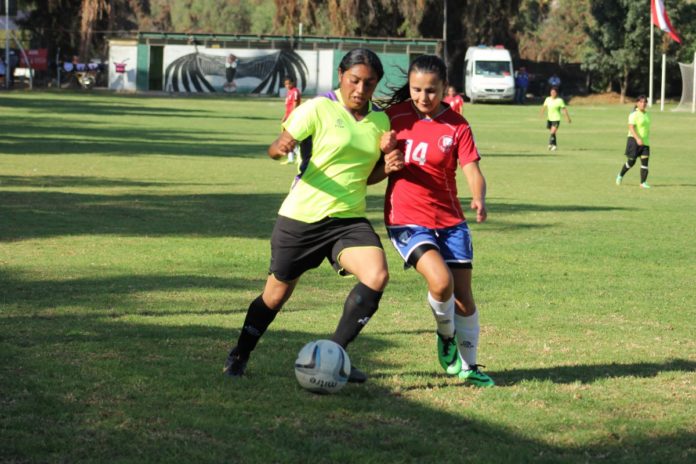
{"x":292,"y":100}
{"x":454,"y":100}
{"x":424,"y":217}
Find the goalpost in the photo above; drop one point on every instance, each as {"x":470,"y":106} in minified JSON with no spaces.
{"x":688,"y":97}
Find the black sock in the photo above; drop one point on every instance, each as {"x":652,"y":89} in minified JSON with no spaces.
{"x":627,"y":165}
{"x":361,"y":304}
{"x":643,"y":169}
{"x":552,"y":139}
{"x":258,"y":318}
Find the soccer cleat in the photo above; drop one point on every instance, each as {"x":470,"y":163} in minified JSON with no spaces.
{"x":448,"y":355}
{"x":645,"y":185}
{"x":475,"y":377}
{"x":356,"y":375}
{"x":554,"y":148}
{"x":619,"y":179}
{"x":550,"y":147}
{"x":235,"y":364}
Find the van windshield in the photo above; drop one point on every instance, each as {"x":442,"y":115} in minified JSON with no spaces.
{"x":493,"y":68}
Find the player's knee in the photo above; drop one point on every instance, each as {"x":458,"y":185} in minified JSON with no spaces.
{"x":377,"y":279}
{"x":441,"y":289}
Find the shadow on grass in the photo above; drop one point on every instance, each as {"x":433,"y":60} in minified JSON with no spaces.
{"x":105,"y":389}
{"x":82,"y":182}
{"x":109,"y":294}
{"x":495,"y":207}
{"x":34,"y":214}
{"x":100,"y":105}
{"x":128,"y":142}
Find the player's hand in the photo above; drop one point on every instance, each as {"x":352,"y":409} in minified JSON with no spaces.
{"x":639,"y":141}
{"x":388,"y":142}
{"x":480,"y":207}
{"x":393,"y":161}
{"x":286,"y":146}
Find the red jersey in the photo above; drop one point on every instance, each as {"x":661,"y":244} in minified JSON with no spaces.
{"x":456,"y":103}
{"x":292,"y":101}
{"x":424,"y":192}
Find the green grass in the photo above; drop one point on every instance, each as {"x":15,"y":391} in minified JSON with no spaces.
{"x":134,"y":231}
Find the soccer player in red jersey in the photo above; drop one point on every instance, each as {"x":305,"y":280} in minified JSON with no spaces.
{"x":424,"y":217}
{"x":454,"y":100}
{"x":292,"y":100}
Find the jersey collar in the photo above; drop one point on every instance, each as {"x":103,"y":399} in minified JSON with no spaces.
{"x":339,"y":98}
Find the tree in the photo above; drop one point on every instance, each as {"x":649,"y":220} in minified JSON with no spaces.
{"x":620,"y":38}
{"x":553,"y":31}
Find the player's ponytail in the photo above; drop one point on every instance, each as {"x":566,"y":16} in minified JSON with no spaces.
{"x":424,"y":64}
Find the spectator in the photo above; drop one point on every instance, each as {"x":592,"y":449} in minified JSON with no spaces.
{"x":521,"y":85}
{"x":555,"y":81}
{"x":2,"y":72}
{"x":230,"y":72}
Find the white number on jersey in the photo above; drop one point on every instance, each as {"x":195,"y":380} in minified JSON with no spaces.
{"x":416,"y":155}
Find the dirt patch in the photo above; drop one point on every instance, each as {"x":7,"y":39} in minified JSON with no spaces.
{"x":611,"y":98}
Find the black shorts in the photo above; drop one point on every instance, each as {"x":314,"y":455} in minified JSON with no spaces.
{"x":550,"y":124}
{"x":633,"y":150}
{"x":297,"y":246}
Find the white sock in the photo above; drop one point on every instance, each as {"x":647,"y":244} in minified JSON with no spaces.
{"x":467,"y":338}
{"x":444,"y":315}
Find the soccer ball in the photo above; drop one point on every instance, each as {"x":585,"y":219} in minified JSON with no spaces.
{"x":322,"y":366}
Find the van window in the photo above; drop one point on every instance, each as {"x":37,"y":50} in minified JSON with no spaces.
{"x":493,"y":68}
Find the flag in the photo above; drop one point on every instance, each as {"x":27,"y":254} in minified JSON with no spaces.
{"x":661,"y":20}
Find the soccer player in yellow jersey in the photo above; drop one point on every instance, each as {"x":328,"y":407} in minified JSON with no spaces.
{"x":638,"y":143}
{"x":345,"y":140}
{"x":554,"y":104}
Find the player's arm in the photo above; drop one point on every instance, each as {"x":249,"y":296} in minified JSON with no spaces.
{"x":632,"y":130}
{"x":388,"y":163}
{"x":567,"y":115}
{"x":283,"y":145}
{"x":477,"y":186}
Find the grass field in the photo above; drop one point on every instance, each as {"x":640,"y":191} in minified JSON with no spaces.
{"x":134,"y":232}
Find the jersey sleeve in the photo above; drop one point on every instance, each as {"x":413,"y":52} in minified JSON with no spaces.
{"x":466,"y":146}
{"x":302,"y":121}
{"x":632,"y":118}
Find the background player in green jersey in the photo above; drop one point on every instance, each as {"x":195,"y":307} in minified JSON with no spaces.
{"x":554,"y":104}
{"x":638,"y":143}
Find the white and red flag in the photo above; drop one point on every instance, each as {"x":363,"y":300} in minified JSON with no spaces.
{"x":661,"y":20}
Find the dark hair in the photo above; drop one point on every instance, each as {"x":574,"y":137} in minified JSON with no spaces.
{"x":554,"y":88}
{"x":640,"y":97}
{"x":424,"y":64}
{"x":362,"y":56}
{"x":289,"y":78}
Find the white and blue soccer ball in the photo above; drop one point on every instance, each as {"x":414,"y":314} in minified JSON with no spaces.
{"x":322,"y":366}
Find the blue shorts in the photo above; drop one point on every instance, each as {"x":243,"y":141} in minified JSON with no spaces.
{"x":453,"y":243}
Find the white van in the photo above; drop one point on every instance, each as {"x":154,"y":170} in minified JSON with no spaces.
{"x":488,"y":74}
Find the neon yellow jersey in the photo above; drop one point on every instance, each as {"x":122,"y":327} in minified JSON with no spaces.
{"x":338,"y":155}
{"x":554,"y":106}
{"x":641,"y":123}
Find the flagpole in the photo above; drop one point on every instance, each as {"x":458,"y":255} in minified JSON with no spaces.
{"x":652,"y":58}
{"x":662,"y":84}
{"x":693,"y":89}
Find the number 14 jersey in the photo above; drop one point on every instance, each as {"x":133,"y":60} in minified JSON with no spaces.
{"x":424,"y":192}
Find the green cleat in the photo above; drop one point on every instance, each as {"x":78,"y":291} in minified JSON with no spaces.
{"x":475,"y":377}
{"x":448,"y":355}
{"x":645,"y":185}
{"x":619,"y":179}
